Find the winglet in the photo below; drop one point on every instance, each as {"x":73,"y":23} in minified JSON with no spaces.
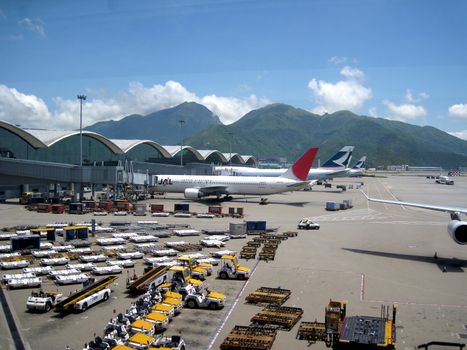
{"x":299,"y":170}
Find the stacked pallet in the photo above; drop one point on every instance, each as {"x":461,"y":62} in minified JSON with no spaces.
{"x":284,"y":317}
{"x":249,"y":250}
{"x":246,"y":337}
{"x":312,"y":331}
{"x":267,"y":295}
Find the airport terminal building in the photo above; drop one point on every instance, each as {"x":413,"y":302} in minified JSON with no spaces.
{"x":41,"y":158}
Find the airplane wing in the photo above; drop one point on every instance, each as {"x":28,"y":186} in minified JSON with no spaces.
{"x":419,"y":205}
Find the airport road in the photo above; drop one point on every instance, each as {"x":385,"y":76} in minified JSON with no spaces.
{"x":388,"y":246}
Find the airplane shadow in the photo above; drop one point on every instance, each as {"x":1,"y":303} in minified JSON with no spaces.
{"x":444,"y":264}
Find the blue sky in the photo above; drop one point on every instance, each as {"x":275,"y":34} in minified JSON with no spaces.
{"x":398,"y":59}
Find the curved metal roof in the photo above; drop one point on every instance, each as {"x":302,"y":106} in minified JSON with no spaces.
{"x":40,"y":138}
{"x":234,"y":155}
{"x":127,"y":145}
{"x":26,"y":136}
{"x":206,"y":153}
{"x":173,"y":150}
{"x":249,"y":159}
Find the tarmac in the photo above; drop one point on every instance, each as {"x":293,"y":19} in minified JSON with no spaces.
{"x":371,"y":255}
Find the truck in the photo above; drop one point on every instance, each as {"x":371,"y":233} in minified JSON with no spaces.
{"x":307,"y":224}
{"x":232,"y":269}
{"x":43,"y":300}
{"x":196,"y":271}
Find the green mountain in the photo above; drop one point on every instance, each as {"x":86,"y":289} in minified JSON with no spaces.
{"x":162,"y":126}
{"x":285,"y":131}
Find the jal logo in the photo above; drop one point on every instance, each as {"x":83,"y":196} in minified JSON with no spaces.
{"x":164,"y":182}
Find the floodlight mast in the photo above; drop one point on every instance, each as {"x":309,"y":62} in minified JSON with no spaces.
{"x":81,"y":98}
{"x":181,"y":121}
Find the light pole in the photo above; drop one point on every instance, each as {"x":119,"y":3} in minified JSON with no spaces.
{"x":81,"y":98}
{"x":230,"y":147}
{"x":181,"y":121}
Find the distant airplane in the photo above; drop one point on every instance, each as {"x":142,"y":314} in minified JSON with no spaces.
{"x":358,"y":169}
{"x":198,"y":186}
{"x":336,"y":166}
{"x":457,"y":228}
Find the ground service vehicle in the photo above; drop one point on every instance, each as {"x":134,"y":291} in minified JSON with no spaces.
{"x":175,"y":342}
{"x":444,"y":180}
{"x":196,"y":271}
{"x":85,"y":303}
{"x":307,"y":224}
{"x":205,"y":299}
{"x":84,"y":297}
{"x":43,"y":301}
{"x":231,"y":269}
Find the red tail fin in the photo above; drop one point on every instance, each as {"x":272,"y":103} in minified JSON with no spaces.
{"x":300,"y":169}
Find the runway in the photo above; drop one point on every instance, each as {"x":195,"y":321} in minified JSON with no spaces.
{"x":369,"y":255}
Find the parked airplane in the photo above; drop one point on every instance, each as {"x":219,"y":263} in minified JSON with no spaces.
{"x":198,"y":186}
{"x":336,"y":166}
{"x":457,"y":228}
{"x":358,"y":169}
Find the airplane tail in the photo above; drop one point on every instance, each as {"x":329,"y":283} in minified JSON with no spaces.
{"x":299,"y":170}
{"x":360,"y":164}
{"x":341,"y":159}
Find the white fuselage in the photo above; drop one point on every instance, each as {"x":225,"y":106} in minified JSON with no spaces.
{"x":313,"y":174}
{"x":228,"y":184}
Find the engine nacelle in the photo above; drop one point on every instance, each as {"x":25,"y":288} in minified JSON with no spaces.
{"x":458,"y":231}
{"x":193,"y":193}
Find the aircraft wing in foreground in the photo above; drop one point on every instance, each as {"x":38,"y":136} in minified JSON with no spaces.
{"x":457,"y":228}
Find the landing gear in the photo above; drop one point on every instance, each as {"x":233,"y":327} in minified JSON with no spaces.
{"x":263,"y":201}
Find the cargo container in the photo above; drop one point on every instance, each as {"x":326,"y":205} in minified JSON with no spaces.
{"x":236,"y":211}
{"x":333,"y":206}
{"x":181,"y":207}
{"x":44,"y":208}
{"x":105,"y":205}
{"x":348,"y":202}
{"x":28,"y":242}
{"x":91,"y":204}
{"x":75,"y":232}
{"x":157,"y":208}
{"x":215,"y":209}
{"x":58,"y":208}
{"x":139,"y":209}
{"x":76,"y":208}
{"x":253,"y":227}
{"x":237,"y":229}
{"x":122,"y":205}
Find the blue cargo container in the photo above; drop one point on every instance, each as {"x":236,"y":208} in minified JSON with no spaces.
{"x":252,"y":226}
{"x":182,"y":207}
{"x":25,"y":242}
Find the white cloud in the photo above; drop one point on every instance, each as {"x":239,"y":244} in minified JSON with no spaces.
{"x":415,"y":99}
{"x":404,"y":111}
{"x":31,"y":111}
{"x":232,"y":108}
{"x":345,"y":94}
{"x":352,"y":73}
{"x":35,"y":25}
{"x":25,"y":110}
{"x":458,"y":110}
{"x":337,"y":59}
{"x":460,"y":134}
{"x":409,"y":109}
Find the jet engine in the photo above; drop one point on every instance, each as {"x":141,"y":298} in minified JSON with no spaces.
{"x":458,"y":231}
{"x":193,"y":193}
